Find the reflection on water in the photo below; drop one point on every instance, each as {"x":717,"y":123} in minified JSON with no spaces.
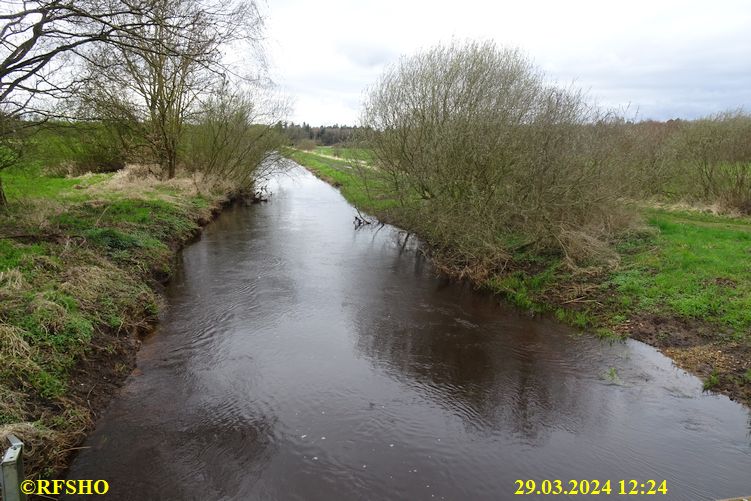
{"x":301,"y":359}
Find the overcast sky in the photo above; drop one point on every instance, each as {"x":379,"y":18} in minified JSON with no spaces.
{"x":664,"y":58}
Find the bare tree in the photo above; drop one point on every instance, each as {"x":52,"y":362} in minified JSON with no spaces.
{"x":38,"y":38}
{"x":153,"y":93}
{"x":42,"y":40}
{"x":714,"y":154}
{"x":38,"y":41}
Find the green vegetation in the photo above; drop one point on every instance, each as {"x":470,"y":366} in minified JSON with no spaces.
{"x":612,"y":376}
{"x":696,"y":266}
{"x":712,"y":381}
{"x":29,"y":182}
{"x":368,"y":193}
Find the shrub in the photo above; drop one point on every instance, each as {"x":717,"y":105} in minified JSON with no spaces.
{"x":74,"y":149}
{"x":715,"y":152}
{"x":305,"y":145}
{"x":229,"y":141}
{"x":489,"y":158}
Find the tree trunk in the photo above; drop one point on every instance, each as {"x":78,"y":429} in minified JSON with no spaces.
{"x":171,"y":163}
{"x":3,"y":199}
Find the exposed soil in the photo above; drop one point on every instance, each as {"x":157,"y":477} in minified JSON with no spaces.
{"x":96,"y":378}
{"x":668,"y":332}
{"x":700,"y":348}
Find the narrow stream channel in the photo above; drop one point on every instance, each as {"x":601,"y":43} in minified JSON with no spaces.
{"x":299,"y":358}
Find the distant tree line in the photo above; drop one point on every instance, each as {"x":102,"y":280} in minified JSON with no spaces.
{"x":325,"y":135}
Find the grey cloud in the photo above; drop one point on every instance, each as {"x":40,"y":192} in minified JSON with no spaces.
{"x":679,"y":60}
{"x":366,"y":55}
{"x":682,"y":83}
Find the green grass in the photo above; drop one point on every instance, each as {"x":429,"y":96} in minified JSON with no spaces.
{"x":696,"y":266}
{"x":29,"y":182}
{"x":712,"y":381}
{"x":11,"y":253}
{"x":371,"y":196}
{"x":522,"y":288}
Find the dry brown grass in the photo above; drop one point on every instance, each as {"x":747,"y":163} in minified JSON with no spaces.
{"x":587,"y":247}
{"x":12,"y":345}
{"x":12,"y":403}
{"x":714,"y":208}
{"x":39,"y":212}
{"x":11,"y":281}
{"x":91,"y":284}
{"x":17,"y":359}
{"x":33,"y":437}
{"x":145,"y":181}
{"x":45,"y":450}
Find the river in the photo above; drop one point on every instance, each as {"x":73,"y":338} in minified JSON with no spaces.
{"x":300,"y":358}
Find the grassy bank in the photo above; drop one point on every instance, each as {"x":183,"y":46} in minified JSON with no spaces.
{"x":80,"y":258}
{"x":368,"y":193}
{"x":683,"y":284}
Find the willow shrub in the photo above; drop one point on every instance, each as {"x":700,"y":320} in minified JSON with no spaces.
{"x":487,"y":158}
{"x":230,"y":139}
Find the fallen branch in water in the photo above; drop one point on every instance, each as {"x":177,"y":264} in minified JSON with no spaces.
{"x":361,"y":220}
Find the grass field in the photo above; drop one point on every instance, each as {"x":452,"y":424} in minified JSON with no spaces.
{"x":345,"y":153}
{"x":367,"y":194}
{"x":697,"y":266}
{"x":683,"y":284}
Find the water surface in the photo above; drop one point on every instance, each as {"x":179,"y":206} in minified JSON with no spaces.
{"x":299,"y":358}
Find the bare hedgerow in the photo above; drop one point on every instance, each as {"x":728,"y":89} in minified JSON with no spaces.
{"x":714,"y":155}
{"x":487,"y":158}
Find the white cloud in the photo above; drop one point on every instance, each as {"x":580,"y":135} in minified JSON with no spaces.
{"x":666,"y":58}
